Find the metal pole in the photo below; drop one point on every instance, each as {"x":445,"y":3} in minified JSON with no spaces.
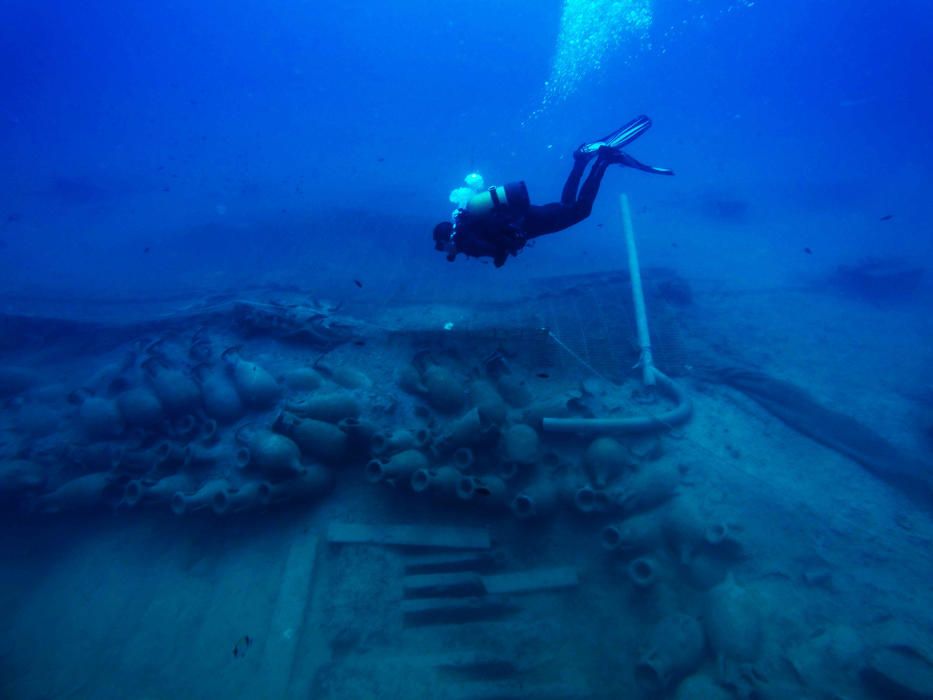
{"x":645,"y":360}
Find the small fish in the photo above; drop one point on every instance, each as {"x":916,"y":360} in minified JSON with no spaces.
{"x":241,"y":647}
{"x":808,"y":251}
{"x":13,"y":217}
{"x":146,"y":250}
{"x":887,"y":217}
{"x":543,"y":375}
{"x":359,"y":343}
{"x":380,"y":159}
{"x":358,"y":283}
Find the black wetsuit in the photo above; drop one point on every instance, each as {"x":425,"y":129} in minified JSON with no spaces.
{"x":501,"y":234}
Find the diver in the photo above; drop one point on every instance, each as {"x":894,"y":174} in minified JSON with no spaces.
{"x":499,"y":221}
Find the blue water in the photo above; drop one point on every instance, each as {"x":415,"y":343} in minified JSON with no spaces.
{"x":161,"y":158}
{"x":134,"y":127}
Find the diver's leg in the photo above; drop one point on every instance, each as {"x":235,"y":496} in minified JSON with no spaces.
{"x":569,"y":194}
{"x":551,"y":218}
{"x":584,"y":203}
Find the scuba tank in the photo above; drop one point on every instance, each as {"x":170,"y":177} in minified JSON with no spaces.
{"x":510,"y":199}
{"x":484,"y":222}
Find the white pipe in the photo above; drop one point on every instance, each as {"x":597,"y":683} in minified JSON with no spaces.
{"x":645,"y":360}
{"x":678,"y":415}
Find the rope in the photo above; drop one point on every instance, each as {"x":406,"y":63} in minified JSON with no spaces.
{"x":579,"y":359}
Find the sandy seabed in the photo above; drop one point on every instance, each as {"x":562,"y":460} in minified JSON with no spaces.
{"x":145,"y":604}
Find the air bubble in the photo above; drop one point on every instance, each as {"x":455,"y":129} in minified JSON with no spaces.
{"x":589,"y":31}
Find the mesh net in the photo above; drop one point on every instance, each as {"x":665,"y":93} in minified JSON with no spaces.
{"x":574,"y":323}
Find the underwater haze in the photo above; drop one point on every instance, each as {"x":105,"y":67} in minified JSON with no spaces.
{"x":260,"y":437}
{"x":216,"y":135}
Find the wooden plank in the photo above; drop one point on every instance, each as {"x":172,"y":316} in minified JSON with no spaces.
{"x":467,"y":664}
{"x":532,"y":581}
{"x":409,"y":536}
{"x":440,"y":611}
{"x":477,"y":664}
{"x":461,"y":583}
{"x":288,"y":618}
{"x":437,"y":562}
{"x":520,"y":690}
